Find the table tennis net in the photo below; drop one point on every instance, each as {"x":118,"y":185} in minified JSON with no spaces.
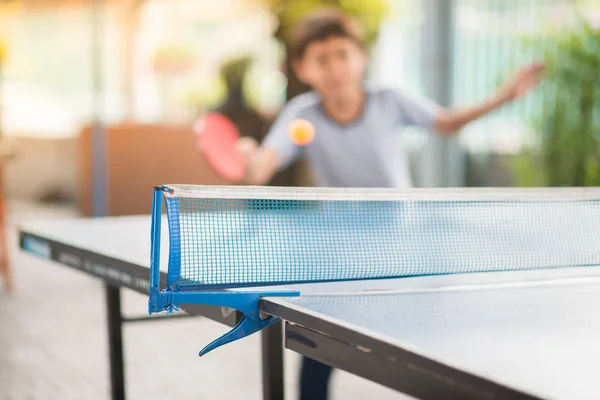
{"x":235,"y":237}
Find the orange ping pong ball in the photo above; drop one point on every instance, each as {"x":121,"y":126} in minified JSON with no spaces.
{"x":301,"y":132}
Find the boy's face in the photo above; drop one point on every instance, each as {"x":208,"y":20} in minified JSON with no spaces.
{"x":333,"y":67}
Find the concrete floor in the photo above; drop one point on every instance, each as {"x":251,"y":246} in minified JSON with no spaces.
{"x":53,"y":343}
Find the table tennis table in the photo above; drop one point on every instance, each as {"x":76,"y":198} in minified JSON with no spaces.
{"x":532,"y":334}
{"x":116,"y":251}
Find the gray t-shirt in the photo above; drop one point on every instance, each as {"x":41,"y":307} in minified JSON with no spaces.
{"x":364,"y":153}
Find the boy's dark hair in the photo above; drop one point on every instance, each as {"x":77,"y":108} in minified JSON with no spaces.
{"x":321,"y":25}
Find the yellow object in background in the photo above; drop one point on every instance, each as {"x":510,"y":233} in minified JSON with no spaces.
{"x":3,"y":50}
{"x":8,"y":8}
{"x":301,"y":132}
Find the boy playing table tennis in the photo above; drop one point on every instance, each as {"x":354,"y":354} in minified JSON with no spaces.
{"x":355,"y":123}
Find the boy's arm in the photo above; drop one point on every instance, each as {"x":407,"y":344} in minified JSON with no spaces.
{"x":451,"y":121}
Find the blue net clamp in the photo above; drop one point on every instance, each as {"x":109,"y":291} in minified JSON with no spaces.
{"x":169,"y":299}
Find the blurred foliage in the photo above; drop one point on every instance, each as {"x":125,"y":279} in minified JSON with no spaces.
{"x":528,"y":169}
{"x":369,"y":13}
{"x":234,"y":70}
{"x":209,"y":93}
{"x":206,"y":93}
{"x":264,"y":89}
{"x":568,"y":152}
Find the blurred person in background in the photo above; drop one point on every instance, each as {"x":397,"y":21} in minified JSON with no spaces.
{"x":356,"y":124}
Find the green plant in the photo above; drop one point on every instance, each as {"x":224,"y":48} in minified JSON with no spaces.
{"x":369,"y":13}
{"x":568,"y":150}
{"x":233,"y":70}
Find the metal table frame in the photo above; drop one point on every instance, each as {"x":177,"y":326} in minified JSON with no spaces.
{"x":117,"y":274}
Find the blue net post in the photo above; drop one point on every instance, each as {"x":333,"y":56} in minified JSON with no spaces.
{"x":155,"y":296}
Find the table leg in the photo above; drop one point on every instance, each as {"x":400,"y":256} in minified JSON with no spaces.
{"x":115,"y":341}
{"x":272,"y":362}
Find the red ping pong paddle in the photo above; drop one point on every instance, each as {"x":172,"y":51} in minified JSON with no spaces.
{"x":218,"y":140}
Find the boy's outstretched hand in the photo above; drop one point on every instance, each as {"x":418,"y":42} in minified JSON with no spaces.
{"x":523,"y":81}
{"x":528,"y":77}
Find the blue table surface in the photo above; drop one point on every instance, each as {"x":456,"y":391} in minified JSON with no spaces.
{"x":536,"y":331}
{"x":122,"y":238}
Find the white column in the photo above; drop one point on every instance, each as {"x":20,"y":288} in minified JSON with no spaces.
{"x":442,"y":161}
